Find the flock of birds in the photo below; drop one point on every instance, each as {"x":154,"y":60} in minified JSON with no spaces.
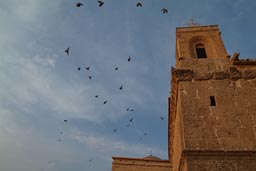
{"x":67,"y":51}
{"x":116,"y":68}
{"x":139,"y":5}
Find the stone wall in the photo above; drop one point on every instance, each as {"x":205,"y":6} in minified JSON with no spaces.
{"x":227,"y":125}
{"x":139,"y":164}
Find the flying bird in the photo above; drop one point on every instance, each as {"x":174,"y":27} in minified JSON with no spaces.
{"x":127,"y":109}
{"x":100,"y":3}
{"x":67,"y":51}
{"x":129,"y":59}
{"x":61,"y":132}
{"x":121,"y":87}
{"x":131,"y":119}
{"x":127,"y":125}
{"x":65,"y":120}
{"x":162,"y":118}
{"x":79,"y":68}
{"x":105,"y":102}
{"x":96,"y":96}
{"x":87,"y":68}
{"x":145,"y":134}
{"x":79,"y":4}
{"x":90,"y":160}
{"x":90,"y":77}
{"x":115,"y":130}
{"x":139,"y":4}
{"x":59,"y":140}
{"x":131,"y":110}
{"x":164,"y":10}
{"x":116,"y":68}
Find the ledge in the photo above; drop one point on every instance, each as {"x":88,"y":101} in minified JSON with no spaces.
{"x":244,"y":62}
{"x":233,"y":73}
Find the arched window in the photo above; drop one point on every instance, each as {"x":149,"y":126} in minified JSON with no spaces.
{"x":200,"y":51}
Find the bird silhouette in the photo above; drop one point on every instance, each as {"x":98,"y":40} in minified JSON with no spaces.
{"x":79,"y":68}
{"x":162,"y":118}
{"x":115,"y":130}
{"x":127,"y":125}
{"x":79,"y":4}
{"x":121,"y":87}
{"x":129,"y":59}
{"x":131,"y":119}
{"x":96,"y":96}
{"x":59,"y":140}
{"x":116,"y":68}
{"x":61,"y":132}
{"x":90,"y":160}
{"x":105,"y":102}
{"x":139,"y":4}
{"x":145,"y":134}
{"x":100,"y":3}
{"x":90,"y":77}
{"x":67,"y":51}
{"x":65,"y":120}
{"x":164,"y":10}
{"x":128,"y":109}
{"x":87,"y":68}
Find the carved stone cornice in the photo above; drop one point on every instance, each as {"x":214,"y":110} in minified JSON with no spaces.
{"x":233,"y":73}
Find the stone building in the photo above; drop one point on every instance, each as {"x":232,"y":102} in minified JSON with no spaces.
{"x":149,"y":163}
{"x":212,"y":108}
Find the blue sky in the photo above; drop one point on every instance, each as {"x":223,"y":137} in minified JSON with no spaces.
{"x":40,"y":85}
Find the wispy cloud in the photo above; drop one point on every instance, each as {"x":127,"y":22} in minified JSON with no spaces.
{"x":104,"y":144}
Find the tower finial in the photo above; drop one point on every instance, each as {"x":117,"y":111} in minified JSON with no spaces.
{"x":192,"y":23}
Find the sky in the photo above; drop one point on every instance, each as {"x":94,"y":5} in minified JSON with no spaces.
{"x":41,"y":86}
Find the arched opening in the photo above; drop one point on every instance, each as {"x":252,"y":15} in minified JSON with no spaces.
{"x":200,"y":51}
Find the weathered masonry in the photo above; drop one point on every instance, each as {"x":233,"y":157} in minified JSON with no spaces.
{"x":212,"y":107}
{"x":149,"y":163}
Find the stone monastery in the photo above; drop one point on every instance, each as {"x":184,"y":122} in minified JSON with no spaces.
{"x":212,"y":109}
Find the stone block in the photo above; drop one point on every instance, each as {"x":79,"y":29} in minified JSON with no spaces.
{"x":183,"y":74}
{"x":249,"y":74}
{"x":234,"y":73}
{"x":220,"y":75}
{"x":202,"y":76}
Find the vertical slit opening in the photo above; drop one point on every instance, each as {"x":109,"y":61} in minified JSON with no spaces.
{"x":212,"y":100}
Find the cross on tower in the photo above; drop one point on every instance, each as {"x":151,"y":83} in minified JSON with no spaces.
{"x":192,"y":23}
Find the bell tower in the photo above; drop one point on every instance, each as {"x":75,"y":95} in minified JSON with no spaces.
{"x":212,"y":106}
